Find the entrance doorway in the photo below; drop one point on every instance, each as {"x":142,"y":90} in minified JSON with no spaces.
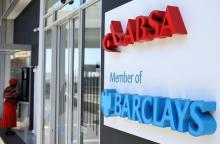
{"x":91,"y":74}
{"x":75,"y":89}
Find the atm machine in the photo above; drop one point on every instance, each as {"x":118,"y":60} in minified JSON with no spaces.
{"x":27,"y":88}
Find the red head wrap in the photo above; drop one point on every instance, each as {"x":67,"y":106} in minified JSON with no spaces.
{"x":13,"y":82}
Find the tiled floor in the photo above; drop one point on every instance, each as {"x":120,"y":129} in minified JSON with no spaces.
{"x":27,"y":136}
{"x":23,"y":137}
{"x":23,"y":123}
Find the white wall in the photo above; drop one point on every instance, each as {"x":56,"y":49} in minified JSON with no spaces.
{"x":1,"y":82}
{"x":9,"y":40}
{"x":7,"y":31}
{"x":179,"y":67}
{"x":2,"y":65}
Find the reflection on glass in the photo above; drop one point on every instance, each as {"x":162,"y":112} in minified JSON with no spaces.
{"x":67,"y":9}
{"x":63,"y":84}
{"x":75,"y":78}
{"x":91,"y":77}
{"x":47,"y":86}
{"x":86,"y":1}
{"x":53,"y":4}
{"x":49,"y":20}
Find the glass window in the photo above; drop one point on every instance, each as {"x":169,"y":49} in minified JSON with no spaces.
{"x":49,"y":20}
{"x":67,"y":9}
{"x":91,"y":74}
{"x":47,"y":87}
{"x":53,"y":4}
{"x":75,"y":78}
{"x":86,"y":1}
{"x":3,"y":6}
{"x":0,"y":34}
{"x":63,"y":83}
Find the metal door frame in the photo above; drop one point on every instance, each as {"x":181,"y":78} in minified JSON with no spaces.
{"x":76,"y":14}
{"x":81,"y":71}
{"x":69,"y":104}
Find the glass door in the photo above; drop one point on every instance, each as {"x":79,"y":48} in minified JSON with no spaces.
{"x":47,"y":88}
{"x":67,"y":82}
{"x":63,"y":83}
{"x":78,"y":78}
{"x":75,"y":80}
{"x":91,"y":74}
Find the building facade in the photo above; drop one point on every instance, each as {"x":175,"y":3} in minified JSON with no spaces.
{"x":65,"y":44}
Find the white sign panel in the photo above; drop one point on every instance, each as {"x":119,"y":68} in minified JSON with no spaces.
{"x":182,"y":66}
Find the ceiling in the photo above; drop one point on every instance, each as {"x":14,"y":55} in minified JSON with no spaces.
{"x":9,"y":49}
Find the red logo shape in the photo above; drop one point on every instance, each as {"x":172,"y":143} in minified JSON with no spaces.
{"x":159,"y":24}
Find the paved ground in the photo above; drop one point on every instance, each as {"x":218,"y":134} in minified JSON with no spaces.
{"x":26,"y":136}
{"x":9,"y":139}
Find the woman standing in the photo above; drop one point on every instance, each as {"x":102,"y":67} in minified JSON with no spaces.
{"x":9,"y":107}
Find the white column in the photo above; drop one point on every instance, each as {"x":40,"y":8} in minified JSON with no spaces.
{"x":2,"y":66}
{"x":2,"y":79}
{"x":7,"y":32}
{"x":39,"y":77}
{"x":7,"y":69}
{"x":9,"y":39}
